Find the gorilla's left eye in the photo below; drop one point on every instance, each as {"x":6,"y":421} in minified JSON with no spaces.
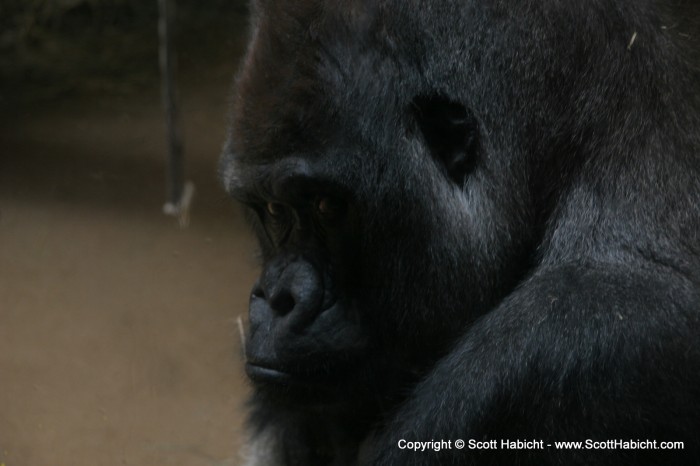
{"x":330,"y":208}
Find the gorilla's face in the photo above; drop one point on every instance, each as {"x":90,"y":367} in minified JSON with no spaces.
{"x":373,"y":197}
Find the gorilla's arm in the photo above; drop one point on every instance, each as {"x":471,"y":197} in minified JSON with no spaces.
{"x":575,"y":350}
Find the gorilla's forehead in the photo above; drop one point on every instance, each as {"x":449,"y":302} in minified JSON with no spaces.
{"x":334,"y":73}
{"x":307,"y":74}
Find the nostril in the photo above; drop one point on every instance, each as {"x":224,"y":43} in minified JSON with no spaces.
{"x":283,"y":302}
{"x":258,"y":293}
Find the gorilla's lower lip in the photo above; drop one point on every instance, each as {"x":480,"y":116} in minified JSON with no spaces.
{"x":267,"y":374}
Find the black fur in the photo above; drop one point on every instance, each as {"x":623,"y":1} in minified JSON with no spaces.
{"x":478,"y":220}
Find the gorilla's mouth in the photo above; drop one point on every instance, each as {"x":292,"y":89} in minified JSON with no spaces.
{"x":262,"y":374}
{"x":267,"y":375}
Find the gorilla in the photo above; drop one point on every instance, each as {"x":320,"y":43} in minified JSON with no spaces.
{"x":479,"y":231}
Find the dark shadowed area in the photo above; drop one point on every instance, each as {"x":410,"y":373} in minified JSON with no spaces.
{"x":118,"y":336}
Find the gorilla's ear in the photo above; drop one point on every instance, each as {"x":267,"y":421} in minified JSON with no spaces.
{"x":450,"y":131}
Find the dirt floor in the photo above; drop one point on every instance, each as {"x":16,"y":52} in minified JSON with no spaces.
{"x":118,"y":336}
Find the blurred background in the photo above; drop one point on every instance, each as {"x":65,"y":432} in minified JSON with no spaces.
{"x":118,"y":336}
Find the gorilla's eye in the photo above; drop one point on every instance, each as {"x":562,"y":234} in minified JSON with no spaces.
{"x":275,"y":209}
{"x":277,"y":221}
{"x":329,"y":207}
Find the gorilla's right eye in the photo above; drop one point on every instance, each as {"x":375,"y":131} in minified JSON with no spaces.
{"x":277,"y":221}
{"x":275,"y":209}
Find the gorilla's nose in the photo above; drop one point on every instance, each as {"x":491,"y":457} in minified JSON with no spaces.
{"x":293,"y":289}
